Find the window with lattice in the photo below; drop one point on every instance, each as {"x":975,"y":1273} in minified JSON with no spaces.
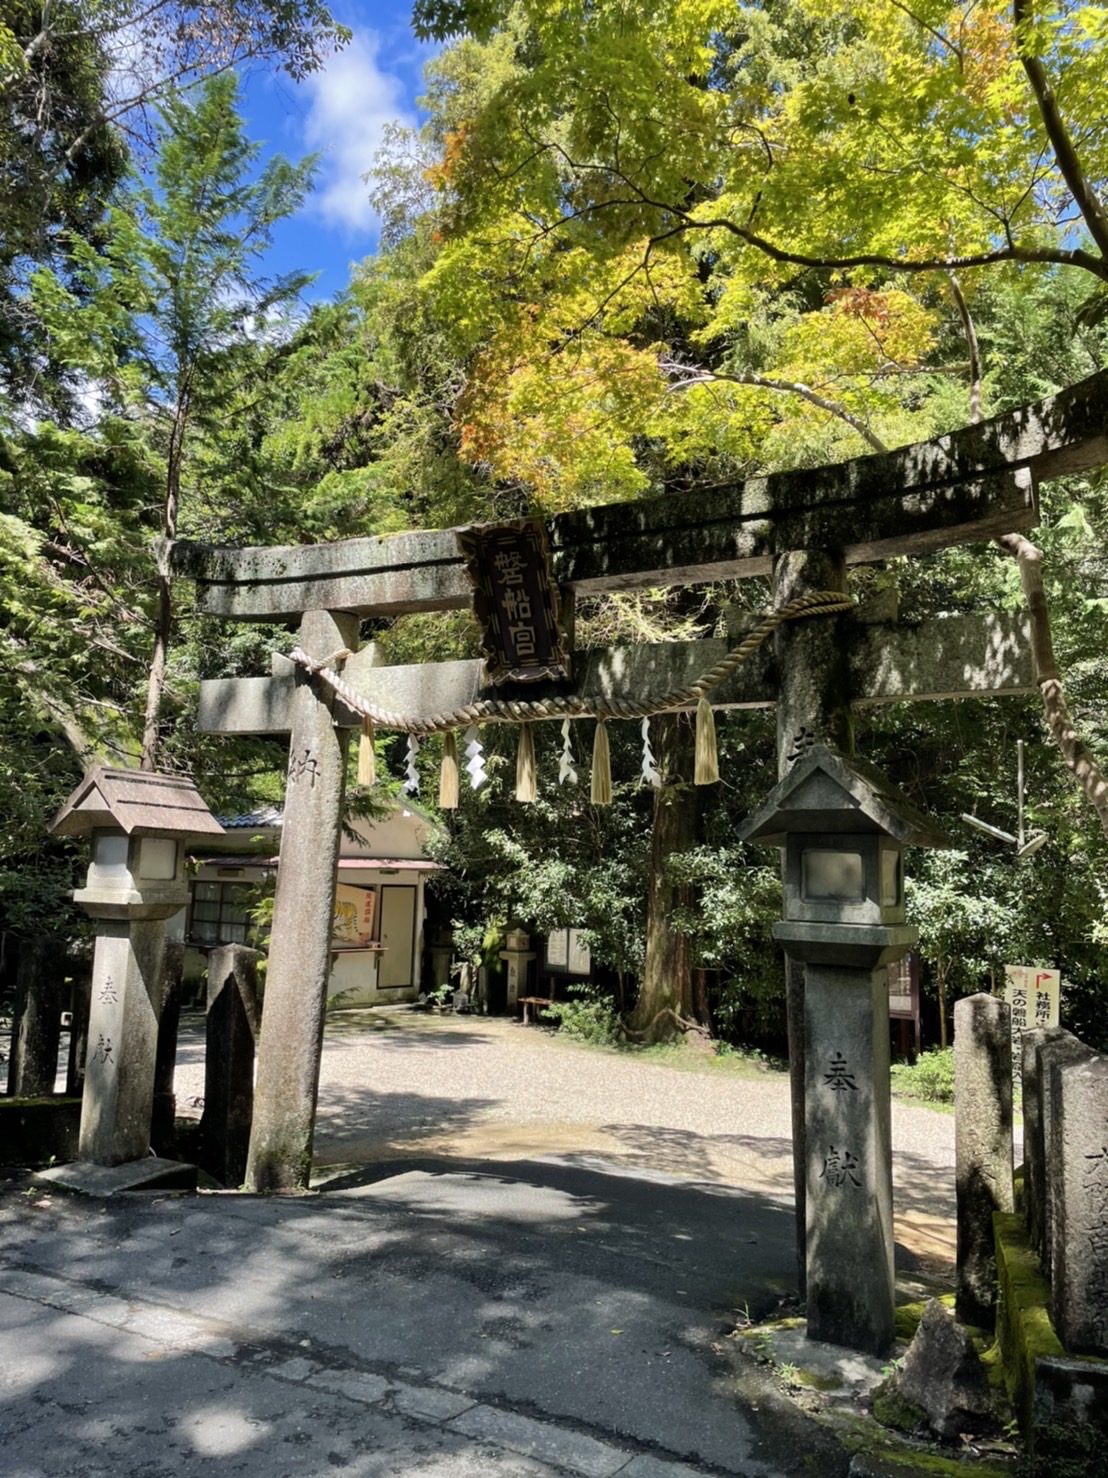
{"x":219,"y":913}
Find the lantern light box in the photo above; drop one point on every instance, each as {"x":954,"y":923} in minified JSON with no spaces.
{"x":844,"y":827}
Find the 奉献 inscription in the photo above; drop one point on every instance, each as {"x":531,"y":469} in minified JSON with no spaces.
{"x":840,"y":1079}
{"x":839,"y":1166}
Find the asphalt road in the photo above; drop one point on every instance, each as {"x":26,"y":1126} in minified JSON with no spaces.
{"x":525,"y":1259}
{"x":443,"y":1321}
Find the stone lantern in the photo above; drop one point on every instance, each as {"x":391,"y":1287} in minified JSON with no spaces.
{"x":138,"y":824}
{"x":844,"y":827}
{"x":517,"y":954}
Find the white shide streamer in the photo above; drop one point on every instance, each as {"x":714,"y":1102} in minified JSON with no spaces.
{"x":649,"y":769}
{"x":411,"y":784}
{"x":565,"y":763}
{"x":475,"y":759}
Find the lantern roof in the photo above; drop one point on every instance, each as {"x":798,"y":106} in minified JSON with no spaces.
{"x":827,"y":792}
{"x":135,"y":801}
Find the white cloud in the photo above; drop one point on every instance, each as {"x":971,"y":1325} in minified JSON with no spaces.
{"x":352,"y":101}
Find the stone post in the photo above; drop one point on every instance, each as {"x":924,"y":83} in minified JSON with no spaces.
{"x":291,"y":1042}
{"x":36,"y":1016}
{"x":1058,"y":1052}
{"x":849,"y":1202}
{"x":516,"y":956}
{"x":80,"y":1005}
{"x":232,"y":1021}
{"x":1034,"y":1150}
{"x":813,"y":702}
{"x":440,"y":951}
{"x":122,"y":1041}
{"x":982,"y":1146}
{"x":163,"y":1135}
{"x":1078,"y":1167}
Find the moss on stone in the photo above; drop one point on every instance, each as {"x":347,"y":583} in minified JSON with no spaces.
{"x":907,"y":1316}
{"x":818,"y":1382}
{"x":894,"y":1410}
{"x":915,"y":1462}
{"x":992,"y":1362}
{"x":1024,"y":1331}
{"x":1065,"y":1449}
{"x":790,"y":1321}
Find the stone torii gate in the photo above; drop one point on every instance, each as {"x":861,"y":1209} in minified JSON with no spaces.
{"x":801,"y":528}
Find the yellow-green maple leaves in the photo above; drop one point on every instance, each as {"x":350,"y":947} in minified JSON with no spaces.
{"x":642,"y":188}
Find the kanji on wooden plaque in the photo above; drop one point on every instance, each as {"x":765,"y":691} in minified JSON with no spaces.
{"x":516,"y":601}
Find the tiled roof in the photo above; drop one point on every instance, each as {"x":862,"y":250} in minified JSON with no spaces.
{"x":271,"y":816}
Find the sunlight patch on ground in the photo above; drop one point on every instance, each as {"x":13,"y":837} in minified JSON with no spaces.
{"x":215,"y":1431}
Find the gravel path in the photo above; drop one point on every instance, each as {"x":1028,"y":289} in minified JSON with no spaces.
{"x":396,"y":1084}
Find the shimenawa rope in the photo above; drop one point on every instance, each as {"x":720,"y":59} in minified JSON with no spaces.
{"x":521,"y":711}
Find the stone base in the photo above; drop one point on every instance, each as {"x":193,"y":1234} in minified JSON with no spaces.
{"x":1061,"y":1401}
{"x":136,"y":1175}
{"x":1069,"y":1419}
{"x":38,"y":1131}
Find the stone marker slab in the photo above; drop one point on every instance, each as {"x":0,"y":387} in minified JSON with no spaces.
{"x":163,"y":1139}
{"x":1059,"y":1050}
{"x":1078,"y":1168}
{"x":36,"y":1016}
{"x":355,"y":1385}
{"x":429,"y":1403}
{"x":1034,"y":1152}
{"x":149,"y":1174}
{"x":541,"y":1440}
{"x":230,"y":1029}
{"x":982,"y":1146}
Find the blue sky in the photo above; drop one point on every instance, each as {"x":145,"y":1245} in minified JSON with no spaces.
{"x":339,"y":113}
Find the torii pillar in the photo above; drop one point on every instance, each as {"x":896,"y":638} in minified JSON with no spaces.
{"x":295,"y":1001}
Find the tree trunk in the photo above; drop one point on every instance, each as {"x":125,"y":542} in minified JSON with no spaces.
{"x":163,"y":622}
{"x":940,"y":979}
{"x":1076,"y":754}
{"x":36,"y":1016}
{"x":156,"y":681}
{"x":666,"y":997}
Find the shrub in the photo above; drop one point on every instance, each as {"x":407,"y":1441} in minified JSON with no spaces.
{"x":930,"y":1077}
{"x":588,"y":1017}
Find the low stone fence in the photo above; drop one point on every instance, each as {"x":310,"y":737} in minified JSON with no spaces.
{"x":1065,"y":1107}
{"x":1049,"y":1265}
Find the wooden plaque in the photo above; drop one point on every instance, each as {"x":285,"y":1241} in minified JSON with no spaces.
{"x":516,"y":601}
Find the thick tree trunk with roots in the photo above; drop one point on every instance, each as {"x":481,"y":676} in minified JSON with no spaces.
{"x":668,"y":1003}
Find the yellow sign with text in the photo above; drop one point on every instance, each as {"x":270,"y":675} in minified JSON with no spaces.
{"x":1035,"y":998}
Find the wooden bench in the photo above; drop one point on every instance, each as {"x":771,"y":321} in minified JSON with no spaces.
{"x":535,"y":1003}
